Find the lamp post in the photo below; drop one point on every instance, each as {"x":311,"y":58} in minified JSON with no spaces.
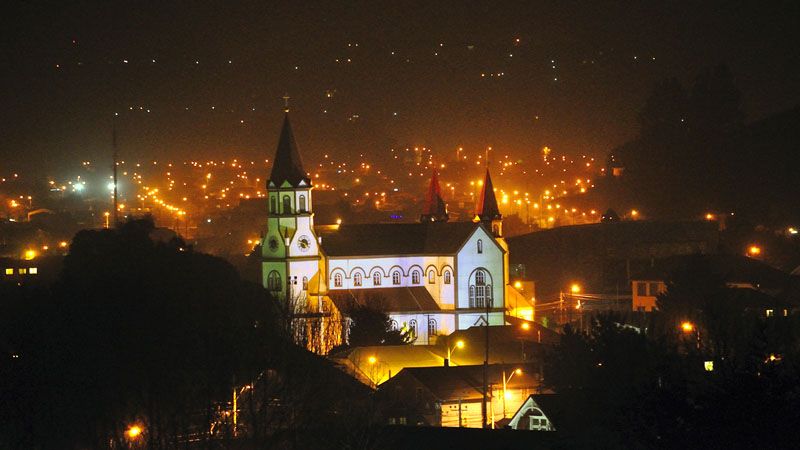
{"x":459,"y":344}
{"x":505,"y":386}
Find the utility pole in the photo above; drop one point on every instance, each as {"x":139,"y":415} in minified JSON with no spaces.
{"x":114,"y":168}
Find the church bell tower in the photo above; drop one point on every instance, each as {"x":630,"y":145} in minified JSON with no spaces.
{"x":290,"y":249}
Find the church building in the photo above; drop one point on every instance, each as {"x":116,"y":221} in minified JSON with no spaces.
{"x":432,"y":277}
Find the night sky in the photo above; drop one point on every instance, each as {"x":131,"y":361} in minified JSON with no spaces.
{"x":204,"y":80}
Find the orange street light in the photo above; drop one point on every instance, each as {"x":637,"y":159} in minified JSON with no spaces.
{"x":526,"y":326}
{"x":575,"y":288}
{"x":754,"y":250}
{"x":133,"y":432}
{"x":372,"y":360}
{"x":687,"y":327}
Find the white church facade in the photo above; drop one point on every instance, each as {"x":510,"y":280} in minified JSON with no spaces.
{"x":431,"y":277}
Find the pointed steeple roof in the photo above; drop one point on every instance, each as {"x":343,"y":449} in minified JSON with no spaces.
{"x":486,"y":208}
{"x":287,"y":165}
{"x":435,"y":210}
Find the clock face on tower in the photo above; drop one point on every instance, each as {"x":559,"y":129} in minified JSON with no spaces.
{"x":273,"y":244}
{"x":303,"y":243}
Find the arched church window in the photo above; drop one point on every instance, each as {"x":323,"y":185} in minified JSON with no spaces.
{"x":376,"y":278}
{"x":337,"y":280}
{"x":273,"y":205}
{"x":357,"y":279}
{"x":393,"y":325}
{"x":431,"y":277}
{"x":412,"y":327}
{"x":415,"y":277}
{"x":432,"y":328}
{"x":302,"y":202}
{"x":274,"y":281}
{"x":480,"y":289}
{"x":447,"y":277}
{"x":287,"y":204}
{"x":480,"y":246}
{"x":395,"y":277}
{"x":305,"y":283}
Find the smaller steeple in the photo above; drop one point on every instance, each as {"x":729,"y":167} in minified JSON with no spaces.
{"x":435,"y":209}
{"x":486,"y":210}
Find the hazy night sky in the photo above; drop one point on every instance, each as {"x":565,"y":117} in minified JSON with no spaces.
{"x":407,"y":74}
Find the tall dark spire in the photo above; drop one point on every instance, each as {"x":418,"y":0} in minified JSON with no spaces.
{"x":287,"y":165}
{"x":486,"y":209}
{"x":435,"y":209}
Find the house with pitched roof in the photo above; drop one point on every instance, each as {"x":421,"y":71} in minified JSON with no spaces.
{"x":432,"y":277}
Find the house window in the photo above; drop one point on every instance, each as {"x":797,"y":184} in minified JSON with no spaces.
{"x":412,"y":327}
{"x":641,"y":289}
{"x":432,"y":328}
{"x":447,"y":277}
{"x":357,"y":279}
{"x":431,"y":277}
{"x":305,"y":283}
{"x":24,"y":271}
{"x":34,"y":271}
{"x":415,"y":277}
{"x":9,"y":271}
{"x":480,"y":246}
{"x":653,"y":289}
{"x":770,"y":312}
{"x":302,"y":203}
{"x":287,"y":204}
{"x":376,"y":278}
{"x":337,"y":280}
{"x":272,"y":205}
{"x":274,"y":281}
{"x":395,"y":277}
{"x":480,"y":289}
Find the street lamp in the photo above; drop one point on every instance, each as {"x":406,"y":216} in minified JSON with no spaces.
{"x":133,"y":432}
{"x":505,"y":386}
{"x":687,"y":327}
{"x":459,"y":344}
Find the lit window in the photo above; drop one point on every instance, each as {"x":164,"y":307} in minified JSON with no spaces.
{"x":480,"y":246}
{"x":415,"y":277}
{"x":23,"y":271}
{"x":447,"y":277}
{"x":395,"y":277}
{"x":357,"y":279}
{"x":33,"y":270}
{"x":376,"y":279}
{"x":337,"y":280}
{"x":9,"y":271}
{"x":770,"y":313}
{"x":431,"y":277}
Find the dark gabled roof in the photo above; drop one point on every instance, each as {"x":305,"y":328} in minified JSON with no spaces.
{"x":287,"y":165}
{"x":380,"y":239}
{"x":466,"y":382}
{"x":486,"y":208}
{"x":398,"y":299}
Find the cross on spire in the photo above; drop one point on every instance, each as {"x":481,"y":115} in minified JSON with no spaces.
{"x":286,"y":102}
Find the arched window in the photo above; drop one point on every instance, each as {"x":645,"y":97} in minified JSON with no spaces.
{"x":395,"y":277}
{"x":480,"y":289}
{"x":412,"y":327}
{"x":273,"y":205}
{"x":431,"y":277}
{"x":447,"y":277}
{"x":415,"y":277}
{"x":287,"y":204}
{"x":274,"y":281}
{"x":480,"y":246}
{"x":337,"y":280}
{"x":357,"y":279}
{"x":376,"y":278}
{"x":393,"y":324}
{"x":432,"y":328}
{"x":302,"y":203}
{"x":305,"y":283}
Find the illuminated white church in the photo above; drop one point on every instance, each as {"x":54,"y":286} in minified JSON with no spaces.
{"x":431,"y":277}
